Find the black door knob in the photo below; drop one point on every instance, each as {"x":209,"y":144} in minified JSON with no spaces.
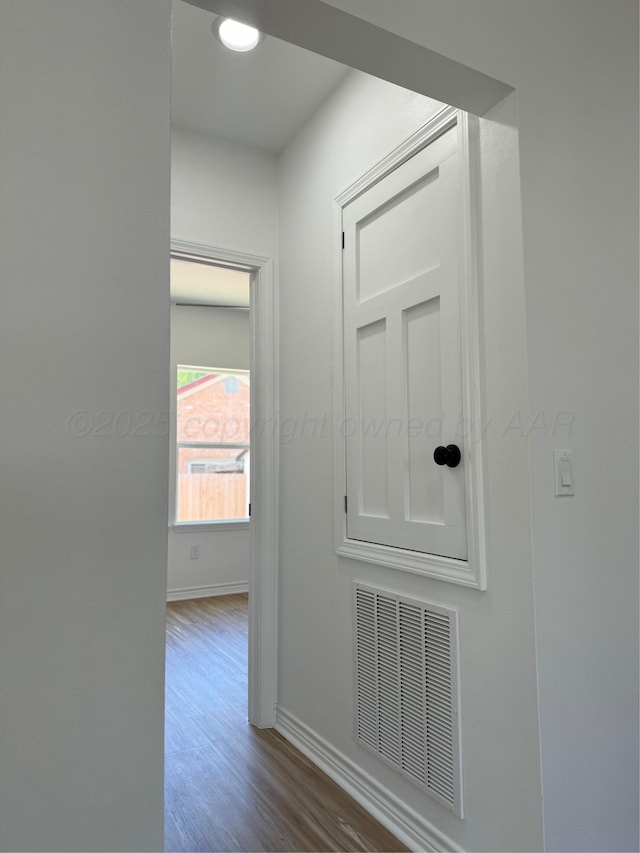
{"x":449,"y":455}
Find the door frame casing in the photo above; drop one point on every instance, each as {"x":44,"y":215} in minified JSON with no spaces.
{"x":263,"y":527}
{"x":470,"y":572}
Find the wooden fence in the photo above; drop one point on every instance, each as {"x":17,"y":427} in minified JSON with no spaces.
{"x":206,"y":497}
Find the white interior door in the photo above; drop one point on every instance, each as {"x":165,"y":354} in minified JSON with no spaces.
{"x":402,"y":353}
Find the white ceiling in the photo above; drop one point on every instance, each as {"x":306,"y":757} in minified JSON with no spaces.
{"x":201,"y":283}
{"x":259,"y":99}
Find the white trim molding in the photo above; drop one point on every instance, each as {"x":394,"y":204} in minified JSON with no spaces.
{"x":407,"y":825}
{"x":187,"y":592}
{"x":263,"y":526}
{"x":471,"y":572}
{"x":209,"y":526}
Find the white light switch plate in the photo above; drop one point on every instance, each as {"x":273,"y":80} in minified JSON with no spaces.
{"x":563,"y":467}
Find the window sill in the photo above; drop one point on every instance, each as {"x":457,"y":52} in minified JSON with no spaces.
{"x":209,"y":526}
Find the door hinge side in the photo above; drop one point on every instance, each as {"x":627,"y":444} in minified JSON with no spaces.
{"x":345,"y":504}
{"x":343,"y":239}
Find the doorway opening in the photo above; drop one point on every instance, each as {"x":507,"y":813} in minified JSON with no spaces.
{"x":223,"y":458}
{"x":224,"y":443}
{"x":299,"y":182}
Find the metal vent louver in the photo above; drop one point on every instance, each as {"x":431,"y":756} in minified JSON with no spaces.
{"x":406,"y":685}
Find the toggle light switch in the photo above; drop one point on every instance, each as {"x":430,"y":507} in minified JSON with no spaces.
{"x":563,"y":466}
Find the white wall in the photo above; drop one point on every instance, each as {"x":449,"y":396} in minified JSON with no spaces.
{"x":216,"y":337}
{"x":575,"y":67}
{"x":84,"y":330}
{"x":225,"y":196}
{"x":360,"y":123}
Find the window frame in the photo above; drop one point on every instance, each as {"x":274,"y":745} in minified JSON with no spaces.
{"x":205,"y":524}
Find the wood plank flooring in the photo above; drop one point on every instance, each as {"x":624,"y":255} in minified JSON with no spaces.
{"x":229,"y":786}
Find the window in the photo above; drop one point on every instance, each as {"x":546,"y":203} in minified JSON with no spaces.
{"x":212,"y":444}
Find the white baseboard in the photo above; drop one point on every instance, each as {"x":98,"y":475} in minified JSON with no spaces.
{"x":407,"y":825}
{"x":206,"y":591}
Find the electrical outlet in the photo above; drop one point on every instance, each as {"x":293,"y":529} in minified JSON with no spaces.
{"x":195,"y":552}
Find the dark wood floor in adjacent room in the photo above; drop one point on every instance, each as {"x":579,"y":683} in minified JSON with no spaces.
{"x":230,"y":787}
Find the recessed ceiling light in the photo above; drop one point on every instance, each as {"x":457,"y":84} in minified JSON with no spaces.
{"x":236,"y":36}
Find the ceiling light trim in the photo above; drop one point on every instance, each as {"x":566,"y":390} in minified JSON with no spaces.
{"x":236,"y":36}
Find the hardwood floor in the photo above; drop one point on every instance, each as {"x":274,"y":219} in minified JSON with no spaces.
{"x":229,"y":786}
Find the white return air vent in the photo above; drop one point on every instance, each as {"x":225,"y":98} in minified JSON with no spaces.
{"x":406,"y":677}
